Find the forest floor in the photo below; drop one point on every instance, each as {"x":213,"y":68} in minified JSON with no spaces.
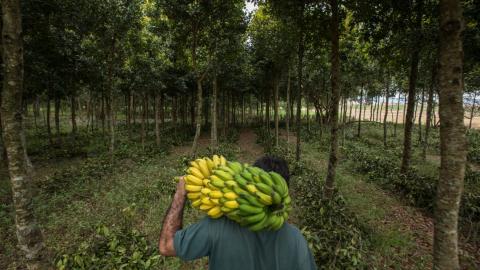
{"x":400,"y":236}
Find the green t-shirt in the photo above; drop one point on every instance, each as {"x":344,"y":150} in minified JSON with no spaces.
{"x":230,"y":246}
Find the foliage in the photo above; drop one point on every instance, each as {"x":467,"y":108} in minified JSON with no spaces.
{"x":112,"y":250}
{"x":333,"y":232}
{"x":473,"y":137}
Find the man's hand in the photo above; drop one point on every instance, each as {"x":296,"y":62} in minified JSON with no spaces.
{"x":173,"y":220}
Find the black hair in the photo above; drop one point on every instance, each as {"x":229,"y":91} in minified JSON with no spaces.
{"x":275,"y":164}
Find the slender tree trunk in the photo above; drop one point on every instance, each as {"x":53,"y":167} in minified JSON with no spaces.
{"x":267,"y":110}
{"x":57,"y":117}
{"x":110,"y":103}
{"x":157,"y":119}
{"x":307,"y":105}
{"x":73,"y":114}
{"x":287,"y":120}
{"x":213,"y":129}
{"x":387,"y":96}
{"x":453,"y":144}
{"x":404,"y":107}
{"x":396,"y":118}
{"x":143,"y":121}
{"x":420,"y":117}
{"x":429,"y":113}
{"x":335,"y":81}
{"x":275,"y":109}
{"x":301,"y":49}
{"x":29,"y":236}
{"x":407,"y":141}
{"x":198,"y":116}
{"x":472,"y":110}
{"x":49,"y":126}
{"x":359,"y":128}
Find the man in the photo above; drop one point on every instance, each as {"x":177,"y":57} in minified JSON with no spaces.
{"x":230,"y":246}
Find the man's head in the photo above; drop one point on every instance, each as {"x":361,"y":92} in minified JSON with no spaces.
{"x":275,"y":164}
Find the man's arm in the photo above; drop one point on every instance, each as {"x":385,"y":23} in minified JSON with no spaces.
{"x":172,"y":221}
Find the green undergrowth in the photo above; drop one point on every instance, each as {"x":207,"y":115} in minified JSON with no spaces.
{"x":333,"y":232}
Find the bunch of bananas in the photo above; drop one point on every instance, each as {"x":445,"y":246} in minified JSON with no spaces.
{"x":248,"y":195}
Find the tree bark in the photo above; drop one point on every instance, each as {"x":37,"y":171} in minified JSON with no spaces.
{"x":29,"y":236}
{"x":453,"y":144}
{"x":407,"y":140}
{"x":287,"y":120}
{"x":335,"y":81}
{"x":275,"y":109}
{"x":110,"y":103}
{"x":198,"y":116}
{"x":429,"y":113}
{"x":49,"y":126}
{"x":143,"y":121}
{"x":387,"y":96}
{"x":420,"y":117}
{"x":73,"y":114}
{"x":472,"y":110}
{"x":301,"y":50}
{"x":57,"y":116}
{"x":157,"y":119}
{"x":359,"y":128}
{"x":396,"y":118}
{"x":213,"y":129}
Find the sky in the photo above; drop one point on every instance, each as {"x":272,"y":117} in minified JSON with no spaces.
{"x":250,"y":6}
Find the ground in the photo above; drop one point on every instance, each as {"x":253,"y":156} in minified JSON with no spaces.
{"x":401,"y":236}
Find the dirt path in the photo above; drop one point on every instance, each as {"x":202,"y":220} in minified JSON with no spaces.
{"x":249,"y":149}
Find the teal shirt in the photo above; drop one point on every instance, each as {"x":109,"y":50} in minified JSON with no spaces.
{"x":230,"y":246}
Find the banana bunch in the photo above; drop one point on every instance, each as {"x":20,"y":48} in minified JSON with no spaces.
{"x":248,"y":195}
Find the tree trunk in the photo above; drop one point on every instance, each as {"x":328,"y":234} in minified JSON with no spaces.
{"x":29,"y":236}
{"x":57,"y":117}
{"x":429,"y":113}
{"x":143,"y":121}
{"x":359,"y":128}
{"x":407,"y":141}
{"x":49,"y":126}
{"x":420,"y":116}
{"x":110,"y":103}
{"x":453,"y":144}
{"x":275,"y":109}
{"x":287,"y":120}
{"x":396,"y":118}
{"x":73,"y":114}
{"x":301,"y":50}
{"x":213,"y":129}
{"x":157,"y":119}
{"x":267,"y":110}
{"x":335,"y":81}
{"x":472,"y":110}
{"x":198,"y":116}
{"x":387,"y":96}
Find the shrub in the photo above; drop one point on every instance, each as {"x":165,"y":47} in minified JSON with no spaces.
{"x":111,"y":250}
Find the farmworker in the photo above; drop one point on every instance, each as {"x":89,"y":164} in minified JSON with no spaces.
{"x":230,"y":246}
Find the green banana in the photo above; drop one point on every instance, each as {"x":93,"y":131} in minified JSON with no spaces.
{"x":227,"y":170}
{"x":276,"y":198}
{"x":259,"y":225}
{"x":247,"y":175}
{"x":264,"y":198}
{"x":217,"y":183}
{"x":266,"y":178}
{"x":223,"y":175}
{"x":264,"y":188}
{"x":235,"y":166}
{"x":240,"y":180}
{"x":252,"y":200}
{"x":278,"y":224}
{"x":287,"y":200}
{"x":249,"y":209}
{"x":254,"y":218}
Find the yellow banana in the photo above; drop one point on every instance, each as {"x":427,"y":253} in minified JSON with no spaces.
{"x":205,"y":191}
{"x":264,"y":198}
{"x":193,"y":188}
{"x":196,"y":203}
{"x":215,"y":201}
{"x":194,"y":195}
{"x":216,"y":194}
{"x":205,"y":182}
{"x":216,"y":160}
{"x":210,"y":164}
{"x":207,"y":201}
{"x":206,"y":206}
{"x":230,"y":195}
{"x":223,"y":160}
{"x":196,"y":172}
{"x":231,"y":183}
{"x":193,"y":180}
{"x":214,"y":211}
{"x":194,"y":164}
{"x":217,"y":215}
{"x":203,"y":167}
{"x":231,"y":204}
